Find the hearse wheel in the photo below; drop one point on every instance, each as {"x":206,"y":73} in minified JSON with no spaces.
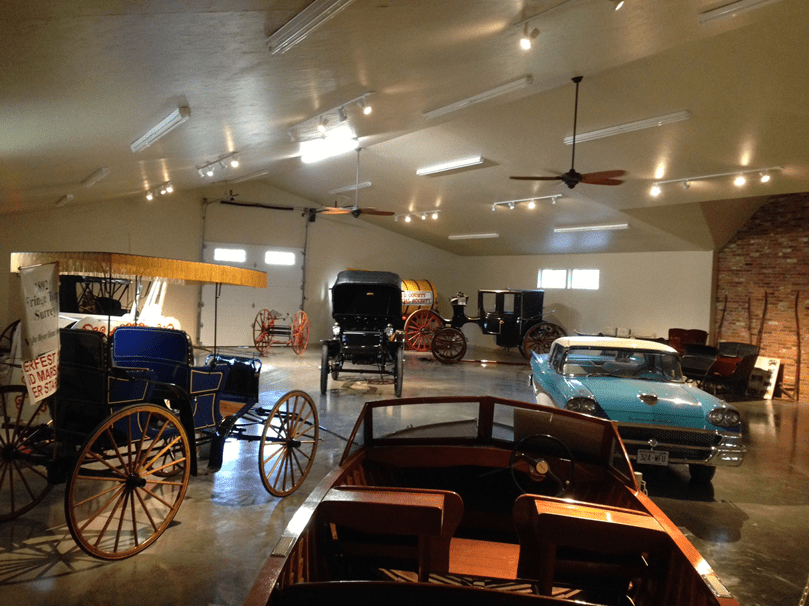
{"x":300,"y":332}
{"x":118,"y":499}
{"x":288,"y":443}
{"x":449,"y":345}
{"x":529,"y":455}
{"x":263,"y":330}
{"x":539,"y":338}
{"x":26,"y":447}
{"x":324,"y":369}
{"x":420,"y":327}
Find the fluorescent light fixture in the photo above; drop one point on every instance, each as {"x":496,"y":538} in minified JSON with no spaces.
{"x":64,"y":200}
{"x":609,"y":227}
{"x":316,"y":150}
{"x":480,"y":97}
{"x":440,"y":168}
{"x":629,"y":127}
{"x":352,"y":187}
{"x":731,"y":10}
{"x":304,"y":23}
{"x":473,"y":236}
{"x":618,"y":4}
{"x":96,"y":177}
{"x":165,"y":126}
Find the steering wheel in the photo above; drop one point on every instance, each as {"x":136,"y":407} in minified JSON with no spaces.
{"x":532,"y":451}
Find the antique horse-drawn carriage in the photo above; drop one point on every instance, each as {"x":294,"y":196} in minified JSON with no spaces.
{"x":132,"y":408}
{"x":366,"y":307}
{"x":514,"y":317}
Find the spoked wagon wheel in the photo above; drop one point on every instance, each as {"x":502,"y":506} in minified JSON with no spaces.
{"x":449,"y":345}
{"x":300,"y":332}
{"x":420,"y":327}
{"x":539,"y":338}
{"x":26,"y":448}
{"x":288,"y":443}
{"x":263,"y":330}
{"x":118,"y":499}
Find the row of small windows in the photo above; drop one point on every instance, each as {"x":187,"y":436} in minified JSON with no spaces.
{"x":239,"y":255}
{"x":581,"y":279}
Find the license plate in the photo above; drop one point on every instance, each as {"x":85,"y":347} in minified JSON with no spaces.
{"x":653,"y":457}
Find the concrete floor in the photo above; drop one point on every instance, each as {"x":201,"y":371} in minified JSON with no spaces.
{"x":751,"y":523}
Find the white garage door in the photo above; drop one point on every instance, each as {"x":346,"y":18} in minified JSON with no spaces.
{"x":238,"y":305}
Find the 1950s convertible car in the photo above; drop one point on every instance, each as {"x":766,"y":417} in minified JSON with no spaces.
{"x":483,"y":501}
{"x":663,"y":419}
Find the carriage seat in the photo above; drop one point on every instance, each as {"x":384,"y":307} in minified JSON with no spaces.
{"x":370,"y":513}
{"x":169,"y":355}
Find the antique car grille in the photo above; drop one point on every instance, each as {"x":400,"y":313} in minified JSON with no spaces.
{"x":682,"y":444}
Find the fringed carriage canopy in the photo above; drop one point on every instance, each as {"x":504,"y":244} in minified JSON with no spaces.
{"x":119,"y":265}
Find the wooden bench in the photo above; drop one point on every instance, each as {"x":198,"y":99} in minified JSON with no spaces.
{"x":429,"y":515}
{"x":581,"y":544}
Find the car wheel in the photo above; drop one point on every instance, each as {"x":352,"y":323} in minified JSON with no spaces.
{"x":701,"y":473}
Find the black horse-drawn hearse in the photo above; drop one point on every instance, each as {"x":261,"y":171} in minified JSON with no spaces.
{"x":366,"y":307}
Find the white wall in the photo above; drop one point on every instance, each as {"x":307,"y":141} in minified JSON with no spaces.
{"x":645,"y":292}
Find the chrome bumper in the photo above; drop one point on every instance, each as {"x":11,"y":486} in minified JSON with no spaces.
{"x":685,"y":445}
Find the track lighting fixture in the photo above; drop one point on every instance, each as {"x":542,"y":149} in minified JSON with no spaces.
{"x":528,"y":37}
{"x":739,"y":178}
{"x":327,"y":121}
{"x":531,"y":202}
{"x":433,"y":214}
{"x":208,"y":169}
{"x":160,"y":190}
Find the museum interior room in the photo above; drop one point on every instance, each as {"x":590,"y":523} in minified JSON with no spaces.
{"x":642,"y":163}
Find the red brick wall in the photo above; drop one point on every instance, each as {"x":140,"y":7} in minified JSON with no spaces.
{"x":769,"y":257}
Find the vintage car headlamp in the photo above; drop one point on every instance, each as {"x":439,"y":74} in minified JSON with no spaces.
{"x":580,"y":404}
{"x":724,"y":416}
{"x":335,"y":330}
{"x":389,"y":331}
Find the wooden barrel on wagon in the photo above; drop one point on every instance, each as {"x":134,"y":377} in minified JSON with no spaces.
{"x":418,"y":294}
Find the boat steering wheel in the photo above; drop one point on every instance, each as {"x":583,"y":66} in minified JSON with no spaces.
{"x":532,"y":452}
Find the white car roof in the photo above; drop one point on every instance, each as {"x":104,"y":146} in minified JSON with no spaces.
{"x":614,"y":342}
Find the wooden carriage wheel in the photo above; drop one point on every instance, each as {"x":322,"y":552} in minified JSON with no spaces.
{"x":288,"y":443}
{"x":300,"y":332}
{"x":539,"y":338}
{"x":420,"y":327}
{"x":449,"y":345}
{"x":118,"y":499}
{"x":263,"y":330}
{"x":26,"y":448}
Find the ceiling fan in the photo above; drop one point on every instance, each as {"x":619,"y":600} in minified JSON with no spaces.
{"x":572,"y":178}
{"x":355,"y":210}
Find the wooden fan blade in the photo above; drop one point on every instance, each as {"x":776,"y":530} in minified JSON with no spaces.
{"x":335,"y":211}
{"x":556,"y":178}
{"x":607,"y":174}
{"x":603,"y":181}
{"x":373,"y":211}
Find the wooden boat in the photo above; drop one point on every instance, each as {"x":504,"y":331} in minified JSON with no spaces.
{"x":483,"y":501}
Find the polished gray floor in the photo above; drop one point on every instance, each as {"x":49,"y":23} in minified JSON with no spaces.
{"x":751,"y":524}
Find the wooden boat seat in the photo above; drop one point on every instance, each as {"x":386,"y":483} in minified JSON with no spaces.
{"x":581,"y":544}
{"x":429,"y":515}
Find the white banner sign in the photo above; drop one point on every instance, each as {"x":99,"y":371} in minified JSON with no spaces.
{"x":40,"y":329}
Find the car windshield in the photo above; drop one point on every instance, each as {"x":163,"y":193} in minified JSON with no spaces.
{"x":623,"y":363}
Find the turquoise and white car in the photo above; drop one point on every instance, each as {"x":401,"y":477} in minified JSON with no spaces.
{"x":662,"y":418}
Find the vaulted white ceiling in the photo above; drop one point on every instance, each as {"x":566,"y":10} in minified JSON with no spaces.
{"x":81,"y":80}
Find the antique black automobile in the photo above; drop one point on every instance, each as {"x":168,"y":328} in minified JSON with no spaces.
{"x":366,"y":307}
{"x":514,"y":317}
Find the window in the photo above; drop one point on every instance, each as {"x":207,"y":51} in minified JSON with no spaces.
{"x":279,"y":257}
{"x":584,"y":279}
{"x":578,"y":279}
{"x":230,"y":255}
{"x":552,"y":278}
